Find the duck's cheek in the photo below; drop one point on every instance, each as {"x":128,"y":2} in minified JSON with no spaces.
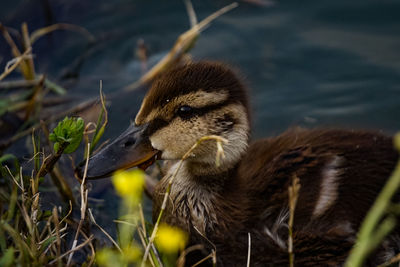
{"x":176,"y":139}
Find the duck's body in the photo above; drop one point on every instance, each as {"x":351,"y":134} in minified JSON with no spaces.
{"x":338,"y":186}
{"x":340,"y":173}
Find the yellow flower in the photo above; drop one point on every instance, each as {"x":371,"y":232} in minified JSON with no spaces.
{"x":129,"y":183}
{"x":170,"y":239}
{"x":131,"y":253}
{"x":105,"y":257}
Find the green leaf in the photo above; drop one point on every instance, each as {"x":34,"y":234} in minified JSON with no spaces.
{"x":8,"y":258}
{"x":17,"y":239}
{"x":55,"y":87}
{"x":68,"y":132}
{"x":46,"y":243}
{"x":56,"y":147}
{"x":12,"y":204}
{"x":99,"y":129}
{"x":7,"y":157}
{"x":3,"y":242}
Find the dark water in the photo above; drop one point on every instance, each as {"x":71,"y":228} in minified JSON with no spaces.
{"x":310,"y":63}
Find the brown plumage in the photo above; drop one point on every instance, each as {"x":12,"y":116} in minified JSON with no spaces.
{"x":340,"y":173}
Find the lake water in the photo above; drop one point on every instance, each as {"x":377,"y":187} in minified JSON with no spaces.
{"x":309,"y":63}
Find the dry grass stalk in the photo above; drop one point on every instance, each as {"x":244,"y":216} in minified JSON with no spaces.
{"x":191,"y":13}
{"x":17,"y":83}
{"x":14,"y":48}
{"x":15,"y":180}
{"x":35,"y":100}
{"x":48,"y":229}
{"x":293,"y":196}
{"x":104,"y":231}
{"x":212,"y":256}
{"x":30,"y":71}
{"x":60,"y":26}
{"x":70,"y":252}
{"x":34,"y":246}
{"x":84,"y":195}
{"x":142,"y":220}
{"x":23,"y":104}
{"x":93,"y":256}
{"x":144,"y":239}
{"x":181,"y":260}
{"x":184,"y":42}
{"x":15,"y":62}
{"x":58,"y":240}
{"x":25,"y":64}
{"x":392,"y":261}
{"x":249,"y":251}
{"x":102,"y":120}
{"x":171,"y":180}
{"x":78,"y":108}
{"x":142,"y":236}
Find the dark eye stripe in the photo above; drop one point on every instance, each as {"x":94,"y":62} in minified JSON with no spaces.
{"x":200,"y":111}
{"x":159,"y":123}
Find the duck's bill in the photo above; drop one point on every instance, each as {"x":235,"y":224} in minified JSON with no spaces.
{"x":132,"y":148}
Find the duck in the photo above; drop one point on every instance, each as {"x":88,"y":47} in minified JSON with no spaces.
{"x":340,"y":173}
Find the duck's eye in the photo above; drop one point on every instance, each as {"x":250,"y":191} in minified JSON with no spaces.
{"x":185,"y":111}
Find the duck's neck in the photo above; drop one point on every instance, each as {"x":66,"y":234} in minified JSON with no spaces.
{"x":206,"y":172}
{"x":209,"y":176}
{"x":197,"y":200}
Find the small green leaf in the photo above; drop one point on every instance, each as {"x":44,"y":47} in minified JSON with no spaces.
{"x":56,"y":147}
{"x":8,"y":257}
{"x":69,"y":131}
{"x":6,"y":157}
{"x":47,"y":213}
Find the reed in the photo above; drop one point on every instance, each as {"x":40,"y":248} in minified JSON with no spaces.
{"x":379,"y":221}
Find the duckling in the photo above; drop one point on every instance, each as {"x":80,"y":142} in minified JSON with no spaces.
{"x":340,"y":173}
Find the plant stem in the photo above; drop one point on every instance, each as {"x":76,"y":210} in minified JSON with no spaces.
{"x":48,"y":163}
{"x":293,"y":196}
{"x":370,"y":223}
{"x":84,"y":195}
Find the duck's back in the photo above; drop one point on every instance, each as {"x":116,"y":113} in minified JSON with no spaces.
{"x":340,"y":173}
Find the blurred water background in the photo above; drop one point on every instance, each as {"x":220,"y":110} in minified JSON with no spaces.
{"x":310,"y":63}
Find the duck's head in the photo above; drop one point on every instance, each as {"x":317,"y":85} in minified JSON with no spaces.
{"x":183,"y":105}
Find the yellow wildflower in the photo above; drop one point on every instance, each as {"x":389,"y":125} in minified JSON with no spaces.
{"x":131,"y":253}
{"x":105,"y":257}
{"x":170,"y":239}
{"x":129,"y":183}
